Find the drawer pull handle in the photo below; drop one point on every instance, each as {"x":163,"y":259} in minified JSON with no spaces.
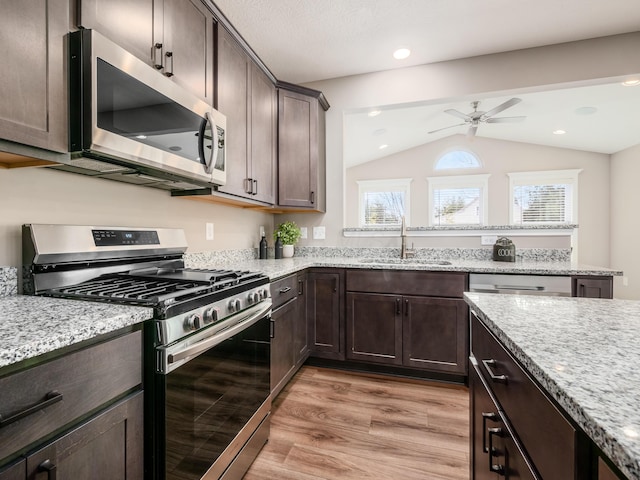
{"x":494,"y":467}
{"x":49,"y":399}
{"x":486,"y":416}
{"x":496,"y":378}
{"x":49,"y":467}
{"x":284,"y":290}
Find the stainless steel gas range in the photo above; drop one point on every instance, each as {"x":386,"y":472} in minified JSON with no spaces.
{"x":207,"y":349}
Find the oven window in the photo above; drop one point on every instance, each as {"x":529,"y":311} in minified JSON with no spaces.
{"x":210,"y":398}
{"x":130,"y":108}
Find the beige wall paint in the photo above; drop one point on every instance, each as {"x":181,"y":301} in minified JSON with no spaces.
{"x":38,"y":195}
{"x":625,"y":221}
{"x":498,"y":159}
{"x":576,"y":63}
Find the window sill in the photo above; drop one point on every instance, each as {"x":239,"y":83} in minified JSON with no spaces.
{"x":464,"y":231}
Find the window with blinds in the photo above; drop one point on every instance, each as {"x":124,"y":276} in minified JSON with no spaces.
{"x":544,"y":197}
{"x":456,"y":206}
{"x":458,"y":200}
{"x":383,"y":202}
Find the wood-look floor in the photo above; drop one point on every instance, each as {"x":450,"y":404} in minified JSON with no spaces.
{"x":329,"y":424}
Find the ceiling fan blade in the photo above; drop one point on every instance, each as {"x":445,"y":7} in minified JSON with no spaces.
{"x":505,"y":120}
{"x":472,"y":130}
{"x":456,"y":113}
{"x":444,"y":128}
{"x":500,"y":108}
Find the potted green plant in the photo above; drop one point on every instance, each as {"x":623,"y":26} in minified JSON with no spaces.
{"x":289,"y":234}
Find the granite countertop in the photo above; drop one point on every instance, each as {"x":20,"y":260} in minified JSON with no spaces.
{"x":585,"y":353}
{"x":32,"y":326}
{"x":281,"y":267}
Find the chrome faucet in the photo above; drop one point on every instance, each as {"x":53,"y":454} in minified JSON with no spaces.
{"x":404,"y":251}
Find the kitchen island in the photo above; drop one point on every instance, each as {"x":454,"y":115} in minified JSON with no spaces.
{"x":583,"y":353}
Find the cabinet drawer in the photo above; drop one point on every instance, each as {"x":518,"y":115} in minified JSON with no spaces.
{"x":549,"y":439}
{"x":433,"y":284}
{"x":71,"y":386}
{"x":284,"y":290}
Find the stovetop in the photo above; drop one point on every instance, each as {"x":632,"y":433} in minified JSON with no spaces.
{"x":168,"y":290}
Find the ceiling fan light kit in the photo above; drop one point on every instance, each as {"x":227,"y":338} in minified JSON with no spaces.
{"x":475,"y":118}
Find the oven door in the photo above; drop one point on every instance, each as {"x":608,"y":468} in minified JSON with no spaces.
{"x":213,"y":397}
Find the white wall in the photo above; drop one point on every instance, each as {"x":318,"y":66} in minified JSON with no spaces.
{"x":39,"y":195}
{"x":575,"y":63}
{"x":498,"y":159}
{"x":625,"y":220}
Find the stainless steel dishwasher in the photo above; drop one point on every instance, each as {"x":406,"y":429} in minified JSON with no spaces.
{"x":557,"y":286}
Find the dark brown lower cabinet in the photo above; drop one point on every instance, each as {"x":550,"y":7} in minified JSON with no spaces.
{"x":592,"y":287}
{"x":77,"y":416}
{"x":605,"y":472}
{"x":435,"y":334}
{"x":300,"y":331}
{"x":325,"y":313}
{"x":411,"y":331}
{"x":495,"y":454}
{"x":282,"y":346}
{"x":108,"y":447}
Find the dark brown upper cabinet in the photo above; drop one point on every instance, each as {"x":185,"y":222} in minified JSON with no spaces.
{"x":33,"y":106}
{"x":301,"y":148}
{"x":247,"y":96}
{"x":174,"y":36}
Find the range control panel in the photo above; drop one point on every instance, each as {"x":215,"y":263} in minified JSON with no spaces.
{"x":113,"y":238}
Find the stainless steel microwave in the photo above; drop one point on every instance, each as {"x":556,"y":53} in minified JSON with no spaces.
{"x":125,"y":114}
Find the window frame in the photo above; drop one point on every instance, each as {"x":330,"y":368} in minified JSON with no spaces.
{"x":480,"y":180}
{"x":382,"y":185}
{"x":545,"y":177}
{"x":455,"y":169}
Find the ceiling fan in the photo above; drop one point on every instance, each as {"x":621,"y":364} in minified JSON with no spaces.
{"x":476,"y":117}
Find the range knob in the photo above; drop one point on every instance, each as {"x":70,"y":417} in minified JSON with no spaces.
{"x":253,"y":297}
{"x":264,"y":293}
{"x":210,"y":315}
{"x":235,"y":305}
{"x":193,"y":322}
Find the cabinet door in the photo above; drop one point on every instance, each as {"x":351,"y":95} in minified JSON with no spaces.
{"x":494,"y":452}
{"x":33,"y":106}
{"x":232,"y":87}
{"x":188,"y":46}
{"x":604,"y":471}
{"x":129,"y":23}
{"x":324,"y":315}
{"x":374,"y":328}
{"x":435,"y":334}
{"x":298,"y":152}
{"x":300,"y":333}
{"x":17,"y":471}
{"x":282,"y":348}
{"x":263,"y":136}
{"x":107,"y":447}
{"x":590,"y":287}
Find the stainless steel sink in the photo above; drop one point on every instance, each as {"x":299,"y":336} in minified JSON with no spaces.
{"x":404,"y":261}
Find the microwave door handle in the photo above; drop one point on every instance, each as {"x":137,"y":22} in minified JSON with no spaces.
{"x":208,"y":159}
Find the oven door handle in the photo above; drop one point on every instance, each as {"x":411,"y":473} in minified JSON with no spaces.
{"x":220,"y":336}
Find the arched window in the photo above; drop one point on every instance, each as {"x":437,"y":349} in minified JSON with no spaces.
{"x":457,"y":159}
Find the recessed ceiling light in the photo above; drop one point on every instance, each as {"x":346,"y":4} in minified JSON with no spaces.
{"x":382,"y":147}
{"x":631,"y":83}
{"x":380,"y":131}
{"x":586,"y":110}
{"x":141,"y":137}
{"x":374,"y":113}
{"x":559,"y":132}
{"x":401,"y":53}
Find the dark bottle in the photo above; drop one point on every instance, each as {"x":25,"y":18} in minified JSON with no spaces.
{"x":263,"y":248}
{"x":278,"y":247}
